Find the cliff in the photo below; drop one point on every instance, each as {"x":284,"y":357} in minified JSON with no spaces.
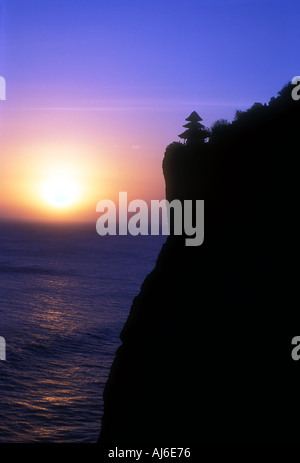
{"x":205,"y":354}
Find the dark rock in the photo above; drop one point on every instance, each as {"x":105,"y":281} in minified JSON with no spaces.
{"x":206,"y":350}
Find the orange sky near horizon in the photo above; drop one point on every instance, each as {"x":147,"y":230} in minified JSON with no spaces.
{"x":42,"y":148}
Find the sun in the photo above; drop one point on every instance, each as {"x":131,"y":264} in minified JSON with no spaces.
{"x":60,"y":192}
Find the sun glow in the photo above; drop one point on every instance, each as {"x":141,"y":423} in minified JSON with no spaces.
{"x":63,"y":182}
{"x":60,"y":192}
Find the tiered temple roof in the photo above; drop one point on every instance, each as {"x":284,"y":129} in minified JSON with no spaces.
{"x":195,"y":130}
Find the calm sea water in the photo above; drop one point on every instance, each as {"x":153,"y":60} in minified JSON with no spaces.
{"x":65,"y":293}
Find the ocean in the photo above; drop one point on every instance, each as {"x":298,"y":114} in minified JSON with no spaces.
{"x":65,"y":293}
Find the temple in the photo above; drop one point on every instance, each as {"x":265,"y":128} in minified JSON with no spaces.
{"x":195,"y":131}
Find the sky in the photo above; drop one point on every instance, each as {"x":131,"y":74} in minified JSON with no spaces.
{"x":96,"y":90}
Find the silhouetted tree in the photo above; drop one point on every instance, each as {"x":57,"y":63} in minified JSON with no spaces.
{"x":218,"y":128}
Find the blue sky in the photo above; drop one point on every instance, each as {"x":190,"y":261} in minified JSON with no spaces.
{"x":147,"y":53}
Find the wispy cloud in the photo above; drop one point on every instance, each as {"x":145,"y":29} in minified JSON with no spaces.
{"x":167,"y":106}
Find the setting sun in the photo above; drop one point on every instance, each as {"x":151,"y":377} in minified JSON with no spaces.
{"x":60,"y":192}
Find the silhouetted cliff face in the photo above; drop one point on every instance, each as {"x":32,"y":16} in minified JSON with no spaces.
{"x":206,"y":350}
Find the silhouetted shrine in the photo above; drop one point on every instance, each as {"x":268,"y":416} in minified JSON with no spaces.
{"x":195,"y":131}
